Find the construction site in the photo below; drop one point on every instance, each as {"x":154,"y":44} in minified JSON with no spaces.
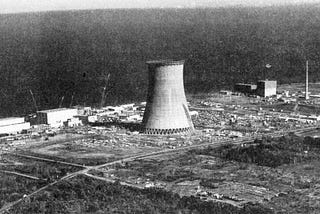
{"x":229,"y":149}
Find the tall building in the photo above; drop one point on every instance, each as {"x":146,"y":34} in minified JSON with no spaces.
{"x":266,"y":88}
{"x":166,"y":110}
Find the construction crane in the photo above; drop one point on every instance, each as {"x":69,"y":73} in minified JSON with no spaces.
{"x":61,"y":101}
{"x":103,"y":95}
{"x":34,"y":100}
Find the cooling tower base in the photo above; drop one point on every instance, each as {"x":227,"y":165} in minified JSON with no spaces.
{"x":187,"y":130}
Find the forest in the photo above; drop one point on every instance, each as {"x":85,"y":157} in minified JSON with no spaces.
{"x":13,"y":187}
{"x":86,"y":195}
{"x":68,"y":58}
{"x":269,"y":152}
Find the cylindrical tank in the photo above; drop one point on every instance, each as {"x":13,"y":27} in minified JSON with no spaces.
{"x":166,"y":112}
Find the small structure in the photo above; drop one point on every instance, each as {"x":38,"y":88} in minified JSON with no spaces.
{"x":84,"y":110}
{"x":225,"y":92}
{"x":92,"y":119}
{"x":56,"y":117}
{"x":13,"y":125}
{"x":112,"y":110}
{"x":266,"y":88}
{"x":72,"y":122}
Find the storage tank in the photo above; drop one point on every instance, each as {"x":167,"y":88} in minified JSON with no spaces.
{"x":166,"y":111}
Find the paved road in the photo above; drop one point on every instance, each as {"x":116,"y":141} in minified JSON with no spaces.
{"x":20,"y":174}
{"x":113,"y":181}
{"x":47,"y":160}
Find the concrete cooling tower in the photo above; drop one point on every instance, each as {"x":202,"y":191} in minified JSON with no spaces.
{"x":166,"y":111}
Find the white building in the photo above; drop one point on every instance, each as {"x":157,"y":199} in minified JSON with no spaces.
{"x":13,"y":125}
{"x":266,"y":88}
{"x":127,"y":106}
{"x":93,"y":119}
{"x":56,"y":117}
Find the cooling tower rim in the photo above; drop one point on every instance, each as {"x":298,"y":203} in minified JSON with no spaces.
{"x":163,"y":62}
{"x":173,"y":131}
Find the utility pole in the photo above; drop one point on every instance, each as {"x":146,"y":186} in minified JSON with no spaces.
{"x":103,"y":95}
{"x":307,"y":80}
{"x":71,"y":100}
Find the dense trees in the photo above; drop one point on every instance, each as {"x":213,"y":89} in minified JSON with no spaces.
{"x":13,"y":187}
{"x":47,"y":171}
{"x":68,"y":54}
{"x":86,"y":195}
{"x":267,"y":152}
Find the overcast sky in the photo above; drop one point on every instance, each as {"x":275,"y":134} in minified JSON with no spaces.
{"x":15,"y":6}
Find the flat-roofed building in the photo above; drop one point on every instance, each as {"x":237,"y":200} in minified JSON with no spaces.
{"x":245,"y":88}
{"x":11,"y":120}
{"x":56,"y":117}
{"x":13,"y":125}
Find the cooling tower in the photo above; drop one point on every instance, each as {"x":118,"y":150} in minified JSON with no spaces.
{"x":166,"y":112}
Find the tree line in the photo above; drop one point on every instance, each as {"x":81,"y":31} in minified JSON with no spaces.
{"x":78,"y":57}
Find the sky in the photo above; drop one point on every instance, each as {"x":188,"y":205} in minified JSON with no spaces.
{"x":17,"y":6}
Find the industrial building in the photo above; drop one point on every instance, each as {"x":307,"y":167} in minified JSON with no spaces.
{"x":13,"y":125}
{"x":245,"y":88}
{"x":266,"y":88}
{"x":57,"y":117}
{"x":166,"y":110}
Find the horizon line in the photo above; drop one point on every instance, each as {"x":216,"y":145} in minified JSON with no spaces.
{"x":167,"y":8}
